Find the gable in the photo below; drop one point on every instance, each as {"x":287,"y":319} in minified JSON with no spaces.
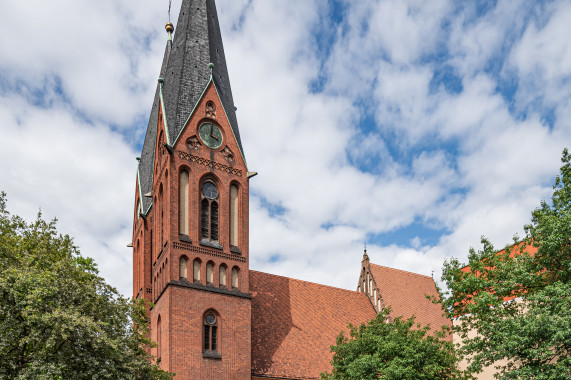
{"x":210,"y":108}
{"x":294,"y":324}
{"x":405,"y":292}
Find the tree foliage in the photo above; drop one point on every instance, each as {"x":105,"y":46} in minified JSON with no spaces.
{"x":58,"y":318}
{"x":393,"y":350}
{"x":518,"y":300}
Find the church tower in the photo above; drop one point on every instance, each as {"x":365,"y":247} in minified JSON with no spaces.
{"x":190,"y":230}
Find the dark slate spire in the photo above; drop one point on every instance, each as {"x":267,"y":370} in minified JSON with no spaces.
{"x":185,"y":73}
{"x":197,"y":42}
{"x":145,"y":175}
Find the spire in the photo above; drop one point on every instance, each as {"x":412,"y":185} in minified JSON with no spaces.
{"x":148,"y":154}
{"x":197,"y":43}
{"x":365,"y":256}
{"x":185,"y":73}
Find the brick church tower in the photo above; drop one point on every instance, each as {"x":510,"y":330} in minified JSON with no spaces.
{"x":190,"y":231}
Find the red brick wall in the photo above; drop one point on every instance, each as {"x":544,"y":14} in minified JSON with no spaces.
{"x":187,"y":308}
{"x":180,"y":305}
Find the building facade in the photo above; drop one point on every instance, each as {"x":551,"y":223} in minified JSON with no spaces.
{"x":213,"y":317}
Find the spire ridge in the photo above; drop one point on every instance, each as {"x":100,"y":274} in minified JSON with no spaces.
{"x":196,"y":43}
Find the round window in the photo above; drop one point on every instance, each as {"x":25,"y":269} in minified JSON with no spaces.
{"x":210,"y":319}
{"x":209,"y":190}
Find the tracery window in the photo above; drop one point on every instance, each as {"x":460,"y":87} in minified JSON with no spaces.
{"x":209,"y":215}
{"x":210,"y":334}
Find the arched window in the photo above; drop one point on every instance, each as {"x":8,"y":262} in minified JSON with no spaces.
{"x":161,"y":218}
{"x":140,"y":269}
{"x":196,"y":270}
{"x":153,"y":258}
{"x":209,"y":273}
{"x":183,"y":203}
{"x":158,"y":235}
{"x":159,"y":338}
{"x":235,"y":283}
{"x":234,"y":215}
{"x":222,"y":275}
{"x":138,"y":211}
{"x":209,"y":215}
{"x":210,"y":333}
{"x":182,"y":267}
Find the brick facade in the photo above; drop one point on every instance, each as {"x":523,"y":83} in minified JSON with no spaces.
{"x":273,"y":327}
{"x":181,"y":303}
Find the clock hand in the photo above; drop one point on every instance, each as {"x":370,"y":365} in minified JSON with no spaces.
{"x":214,"y":136}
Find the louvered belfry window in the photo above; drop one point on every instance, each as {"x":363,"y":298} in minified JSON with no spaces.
{"x":209,"y":212}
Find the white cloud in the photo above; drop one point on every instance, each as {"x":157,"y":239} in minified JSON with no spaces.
{"x":542,"y":59}
{"x":78,"y":172}
{"x":470,"y":162}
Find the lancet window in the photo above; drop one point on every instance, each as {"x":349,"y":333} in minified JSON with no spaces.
{"x":209,"y":226}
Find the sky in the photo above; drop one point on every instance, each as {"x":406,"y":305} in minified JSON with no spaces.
{"x":414,"y":127}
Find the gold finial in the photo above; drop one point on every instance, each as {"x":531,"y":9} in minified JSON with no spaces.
{"x":169,"y":27}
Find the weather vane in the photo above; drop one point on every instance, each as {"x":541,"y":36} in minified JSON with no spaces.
{"x":170,"y":2}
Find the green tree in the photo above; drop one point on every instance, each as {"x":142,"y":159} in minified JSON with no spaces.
{"x":393,"y":350}
{"x":58,"y":318}
{"x":518,"y":300}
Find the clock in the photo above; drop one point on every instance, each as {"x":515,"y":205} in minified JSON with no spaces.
{"x":209,"y":190}
{"x":210,"y":135}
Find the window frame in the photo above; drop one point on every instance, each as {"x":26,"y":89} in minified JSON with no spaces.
{"x":211,"y":335}
{"x":209,"y":216}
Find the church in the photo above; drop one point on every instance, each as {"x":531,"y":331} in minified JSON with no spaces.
{"x":213,"y":317}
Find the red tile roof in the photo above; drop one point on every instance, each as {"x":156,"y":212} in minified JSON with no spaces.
{"x":405,"y":293}
{"x":294,"y":324}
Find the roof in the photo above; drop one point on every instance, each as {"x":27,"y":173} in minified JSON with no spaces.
{"x":185,"y":72}
{"x":405,"y":292}
{"x":294,"y":324}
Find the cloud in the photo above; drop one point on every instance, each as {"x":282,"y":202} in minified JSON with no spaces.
{"x":72,"y":170}
{"x":542,"y":60}
{"x":364,"y":119}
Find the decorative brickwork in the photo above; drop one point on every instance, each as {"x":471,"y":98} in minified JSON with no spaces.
{"x":266,"y":326}
{"x":208,"y":251}
{"x":208,"y":163}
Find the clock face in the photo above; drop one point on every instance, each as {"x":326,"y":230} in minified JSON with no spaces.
{"x":209,"y":190}
{"x":210,"y":134}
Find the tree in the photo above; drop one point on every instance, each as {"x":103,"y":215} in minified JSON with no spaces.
{"x":518,"y":300}
{"x":58,"y":318}
{"x":391,"y":350}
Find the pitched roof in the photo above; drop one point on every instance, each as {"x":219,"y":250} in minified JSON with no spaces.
{"x":405,"y":292}
{"x":197,"y":42}
{"x":148,"y":154}
{"x":294,"y":324}
{"x":185,"y":72}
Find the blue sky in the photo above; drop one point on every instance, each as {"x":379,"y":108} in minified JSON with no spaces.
{"x":414,"y":127}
